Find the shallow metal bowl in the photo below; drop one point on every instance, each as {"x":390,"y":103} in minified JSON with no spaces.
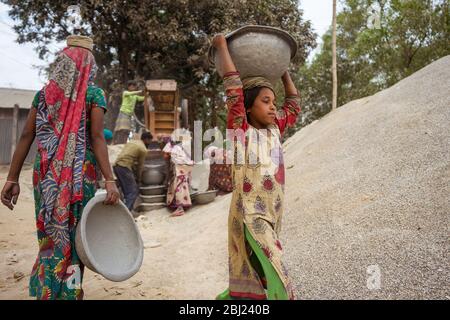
{"x":153,"y":199}
{"x":153,"y":190}
{"x":258,"y":51}
{"x":205,"y":197}
{"x":108,"y":240}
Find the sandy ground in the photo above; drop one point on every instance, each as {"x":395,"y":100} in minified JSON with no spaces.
{"x":189,"y":263}
{"x":367,"y":191}
{"x":368,"y":188}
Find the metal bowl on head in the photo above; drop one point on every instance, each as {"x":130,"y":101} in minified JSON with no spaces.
{"x":258,"y":51}
{"x":108,"y":241}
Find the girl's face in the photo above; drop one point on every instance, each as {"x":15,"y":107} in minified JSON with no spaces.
{"x":262,"y":112}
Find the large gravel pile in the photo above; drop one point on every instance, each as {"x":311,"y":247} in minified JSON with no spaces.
{"x":370,"y":190}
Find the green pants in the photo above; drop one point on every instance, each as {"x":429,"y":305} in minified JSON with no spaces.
{"x":262,"y":265}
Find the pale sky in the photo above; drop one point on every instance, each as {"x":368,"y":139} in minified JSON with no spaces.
{"x":18,"y":61}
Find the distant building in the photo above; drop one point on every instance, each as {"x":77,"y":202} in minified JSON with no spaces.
{"x":12,"y":121}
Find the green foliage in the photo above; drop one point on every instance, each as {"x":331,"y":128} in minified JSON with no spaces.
{"x":153,"y":39}
{"x":371,"y":57}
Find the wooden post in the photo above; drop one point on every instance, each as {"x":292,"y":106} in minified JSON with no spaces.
{"x":184,"y":113}
{"x":146,"y":109}
{"x":15,"y":129}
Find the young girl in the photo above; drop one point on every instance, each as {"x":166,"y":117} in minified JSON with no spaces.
{"x":67,"y":120}
{"x":255,"y":267}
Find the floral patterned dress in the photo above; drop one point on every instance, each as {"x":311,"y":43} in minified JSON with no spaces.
{"x":180,"y":177}
{"x":47,"y":279}
{"x":258,"y":193}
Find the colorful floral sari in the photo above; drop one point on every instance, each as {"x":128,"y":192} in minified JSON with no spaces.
{"x":180,"y":176}
{"x":64,"y":173}
{"x":256,"y":270}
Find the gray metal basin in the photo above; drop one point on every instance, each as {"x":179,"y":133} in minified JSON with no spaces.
{"x":153,"y":190}
{"x":108,"y":240}
{"x":153,"y":199}
{"x":258,"y":51}
{"x":205,"y":197}
{"x":153,"y":175}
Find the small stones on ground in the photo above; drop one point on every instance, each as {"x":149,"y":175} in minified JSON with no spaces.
{"x":18,"y":275}
{"x":137,"y":284}
{"x":151,"y":244}
{"x":12,"y":259}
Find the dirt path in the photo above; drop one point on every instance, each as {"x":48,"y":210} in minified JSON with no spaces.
{"x":190,"y":263}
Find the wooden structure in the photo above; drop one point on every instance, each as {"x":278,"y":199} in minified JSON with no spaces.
{"x":15,"y":105}
{"x":162,"y":106}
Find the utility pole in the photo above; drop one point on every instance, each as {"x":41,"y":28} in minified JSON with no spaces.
{"x":334,"y":63}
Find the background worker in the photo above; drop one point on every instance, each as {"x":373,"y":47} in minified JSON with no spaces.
{"x":133,"y":152}
{"x":123,"y":124}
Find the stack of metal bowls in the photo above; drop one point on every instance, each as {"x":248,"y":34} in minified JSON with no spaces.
{"x":153,"y":174}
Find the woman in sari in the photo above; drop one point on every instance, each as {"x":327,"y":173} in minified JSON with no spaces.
{"x":66,"y":119}
{"x":180,"y":169}
{"x":256,"y":270}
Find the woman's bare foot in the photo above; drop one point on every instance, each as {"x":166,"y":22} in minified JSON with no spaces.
{"x":178,"y":212}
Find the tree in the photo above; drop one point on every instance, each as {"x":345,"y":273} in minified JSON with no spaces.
{"x":379,"y":43}
{"x":153,"y":39}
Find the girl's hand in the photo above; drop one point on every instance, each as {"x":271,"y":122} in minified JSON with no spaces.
{"x":10,"y":193}
{"x":219,"y":41}
{"x":226,"y":62}
{"x":289,"y":86}
{"x":112,"y":193}
{"x":286,"y":76}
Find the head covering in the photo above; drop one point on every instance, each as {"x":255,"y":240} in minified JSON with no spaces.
{"x":253,"y":82}
{"x":61,"y":137}
{"x":80,"y":41}
{"x":107,"y":134}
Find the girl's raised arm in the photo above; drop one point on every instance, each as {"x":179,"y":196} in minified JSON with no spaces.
{"x":287,"y":116}
{"x":220,"y":43}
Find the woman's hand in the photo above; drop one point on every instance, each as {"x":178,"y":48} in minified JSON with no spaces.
{"x":112,"y":193}
{"x":219,"y":41}
{"x":10,"y":193}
